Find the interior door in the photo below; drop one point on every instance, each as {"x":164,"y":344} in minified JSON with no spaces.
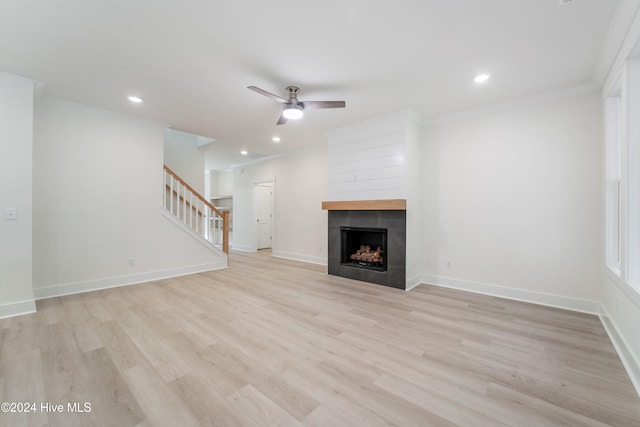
{"x":264,"y":207}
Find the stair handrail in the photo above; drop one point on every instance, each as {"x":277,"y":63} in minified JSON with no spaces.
{"x":223,"y":214}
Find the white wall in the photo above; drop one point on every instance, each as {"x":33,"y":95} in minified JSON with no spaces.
{"x":300,"y":224}
{"x":221,"y":183}
{"x":16,"y":146}
{"x":97,"y":203}
{"x":181,"y":155}
{"x":225,"y":183}
{"x":513,"y":202}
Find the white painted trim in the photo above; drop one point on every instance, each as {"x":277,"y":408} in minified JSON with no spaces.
{"x":299,"y":257}
{"x":624,"y":287}
{"x":114,"y":282}
{"x":516,"y":103}
{"x":19,"y":76}
{"x":551,"y":300}
{"x":268,"y":179}
{"x":412,"y":282}
{"x":242,"y":248}
{"x":49,"y":100}
{"x":395,"y":120}
{"x":239,"y":166}
{"x":17,"y":308}
{"x":616,"y":43}
{"x":620,"y":50}
{"x":631,"y":364}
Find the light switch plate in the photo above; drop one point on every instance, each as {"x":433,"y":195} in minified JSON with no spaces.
{"x":10,"y":213}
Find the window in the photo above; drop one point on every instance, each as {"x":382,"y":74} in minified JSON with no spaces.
{"x":622,"y":142}
{"x":630,"y":119}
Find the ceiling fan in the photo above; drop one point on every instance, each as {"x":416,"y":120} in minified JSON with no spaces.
{"x":292,"y":108}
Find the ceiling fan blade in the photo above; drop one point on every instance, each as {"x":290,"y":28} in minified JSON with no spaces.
{"x":314,"y":105}
{"x":282,"y":120}
{"x":267,"y":94}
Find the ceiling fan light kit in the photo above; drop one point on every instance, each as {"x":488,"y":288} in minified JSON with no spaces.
{"x":292,"y":112}
{"x":294,"y":109}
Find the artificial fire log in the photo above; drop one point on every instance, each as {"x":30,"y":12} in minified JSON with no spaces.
{"x":366,"y":255}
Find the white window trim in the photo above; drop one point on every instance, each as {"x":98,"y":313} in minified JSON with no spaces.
{"x":622,"y":173}
{"x":613,"y":181}
{"x":631,"y":138}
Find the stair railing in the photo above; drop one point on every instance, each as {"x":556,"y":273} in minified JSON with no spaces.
{"x":194,"y":211}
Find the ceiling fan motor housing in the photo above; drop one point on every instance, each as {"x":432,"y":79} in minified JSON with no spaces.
{"x":293,"y":93}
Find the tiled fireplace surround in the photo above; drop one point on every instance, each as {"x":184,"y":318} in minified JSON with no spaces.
{"x":350,"y":214}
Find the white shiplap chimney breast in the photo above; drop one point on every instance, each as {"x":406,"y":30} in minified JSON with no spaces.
{"x":379,"y":159}
{"x":369,"y":160}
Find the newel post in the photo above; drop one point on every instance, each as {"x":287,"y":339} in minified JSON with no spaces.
{"x":225,"y":232}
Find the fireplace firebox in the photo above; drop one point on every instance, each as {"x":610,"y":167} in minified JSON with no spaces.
{"x":363,"y":248}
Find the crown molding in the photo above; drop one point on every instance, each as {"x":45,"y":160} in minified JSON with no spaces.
{"x":515,"y":103}
{"x":50,"y":100}
{"x":628,"y":47}
{"x":393,"y":119}
{"x":622,"y":36}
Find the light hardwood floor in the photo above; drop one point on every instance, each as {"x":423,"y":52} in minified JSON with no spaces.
{"x":271,"y":342}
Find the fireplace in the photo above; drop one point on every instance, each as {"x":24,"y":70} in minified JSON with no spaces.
{"x":363,"y":248}
{"x":353,"y":230}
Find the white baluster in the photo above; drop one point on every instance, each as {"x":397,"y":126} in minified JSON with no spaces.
{"x":216,"y":229}
{"x":164,"y":188}
{"x":206,"y":232}
{"x":212,"y":227}
{"x":184,"y":204}
{"x":210,"y":214}
{"x":205,"y":218}
{"x":198,"y":221}
{"x":171,"y":195}
{"x":191,"y":210}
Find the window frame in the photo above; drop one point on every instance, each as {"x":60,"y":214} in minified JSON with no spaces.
{"x":622,"y":176}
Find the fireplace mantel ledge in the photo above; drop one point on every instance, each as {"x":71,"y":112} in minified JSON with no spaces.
{"x":366,"y":205}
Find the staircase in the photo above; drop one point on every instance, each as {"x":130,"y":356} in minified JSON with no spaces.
{"x":192,"y":212}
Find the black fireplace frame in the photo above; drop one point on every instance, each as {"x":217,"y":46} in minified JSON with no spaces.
{"x":373,"y":237}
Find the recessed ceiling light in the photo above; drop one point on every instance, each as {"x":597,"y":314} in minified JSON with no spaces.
{"x":276,"y":139}
{"x":135,"y":99}
{"x":481,"y":78}
{"x":244,"y":152}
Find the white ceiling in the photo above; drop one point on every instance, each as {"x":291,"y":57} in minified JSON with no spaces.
{"x":191,"y":60}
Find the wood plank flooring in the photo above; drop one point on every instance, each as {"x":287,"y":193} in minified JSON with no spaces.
{"x":271,"y":342}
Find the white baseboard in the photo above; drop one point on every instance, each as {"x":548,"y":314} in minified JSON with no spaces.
{"x":551,"y":300}
{"x":628,"y":360}
{"x":299,"y":257}
{"x":412,"y":282}
{"x":114,"y":282}
{"x":240,"y":248}
{"x":17,"y":308}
